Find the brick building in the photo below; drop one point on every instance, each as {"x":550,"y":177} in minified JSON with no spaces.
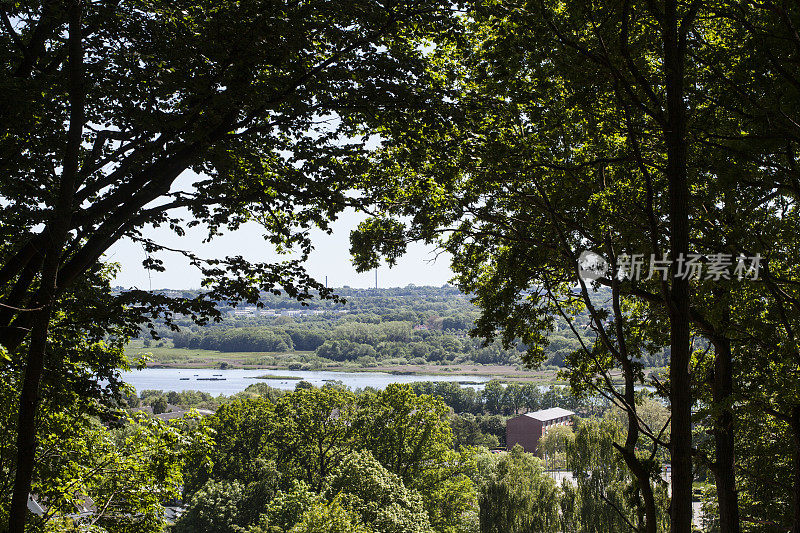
{"x":527,"y":429}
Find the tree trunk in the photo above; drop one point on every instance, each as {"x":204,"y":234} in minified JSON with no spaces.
{"x":795,"y":425}
{"x":649,"y":505}
{"x":55,"y":235}
{"x":635,"y":465}
{"x":28,"y":407}
{"x":643,"y":478}
{"x":676,"y":173}
{"x":724,"y":464}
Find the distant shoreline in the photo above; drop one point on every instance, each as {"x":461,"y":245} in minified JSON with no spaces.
{"x":476,"y":370}
{"x":183,"y":358}
{"x":506,"y":374}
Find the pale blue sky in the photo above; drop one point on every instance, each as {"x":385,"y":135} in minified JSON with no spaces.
{"x":331,"y":258}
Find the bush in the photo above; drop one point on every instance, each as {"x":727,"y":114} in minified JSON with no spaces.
{"x":340,"y":350}
{"x":159,"y":405}
{"x":258,"y":339}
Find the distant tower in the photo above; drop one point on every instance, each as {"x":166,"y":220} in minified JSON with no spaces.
{"x":376,"y":277}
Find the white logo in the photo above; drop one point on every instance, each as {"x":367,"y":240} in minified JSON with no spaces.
{"x":591,"y":266}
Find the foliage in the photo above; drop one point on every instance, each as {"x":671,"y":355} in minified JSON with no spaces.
{"x":389,"y":446}
{"x":213,"y":508}
{"x":237,"y":340}
{"x":240,"y":440}
{"x":606,"y":497}
{"x":313,"y":430}
{"x":389,"y":325}
{"x":515,"y":494}
{"x":126,"y":474}
{"x":366,"y":488}
{"x":553,"y":446}
{"x":265,"y":107}
{"x":328,"y":517}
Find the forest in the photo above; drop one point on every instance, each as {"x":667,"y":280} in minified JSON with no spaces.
{"x":405,"y":459}
{"x":414,"y":325}
{"x":614,"y":185}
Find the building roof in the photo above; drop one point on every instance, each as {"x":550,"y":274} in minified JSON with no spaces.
{"x":549,"y":414}
{"x":180,"y":413}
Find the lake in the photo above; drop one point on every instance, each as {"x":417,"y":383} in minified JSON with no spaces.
{"x":236,"y":380}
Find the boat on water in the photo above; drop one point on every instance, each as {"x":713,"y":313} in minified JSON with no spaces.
{"x":212,"y":379}
{"x":184,"y":379}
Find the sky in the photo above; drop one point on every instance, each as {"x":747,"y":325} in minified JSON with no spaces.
{"x":331,"y":257}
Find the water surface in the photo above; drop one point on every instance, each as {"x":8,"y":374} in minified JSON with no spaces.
{"x":236,"y":380}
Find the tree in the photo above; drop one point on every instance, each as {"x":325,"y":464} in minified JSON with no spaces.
{"x":467,"y":432}
{"x":407,"y":433}
{"x":516,"y":495}
{"x":314,"y":430}
{"x":288,"y":507}
{"x":108,"y":104}
{"x":411,"y":437}
{"x":493,"y":397}
{"x":386,"y":457}
{"x":242,"y":447}
{"x":758,"y":92}
{"x":588,"y":128}
{"x":553,"y":447}
{"x":160,"y":405}
{"x":213,"y":508}
{"x":87,"y":347}
{"x":603,"y":500}
{"x":329,"y":517}
{"x":367,"y":489}
{"x":126,"y":473}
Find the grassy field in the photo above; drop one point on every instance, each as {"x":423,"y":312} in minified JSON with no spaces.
{"x":168,"y":357}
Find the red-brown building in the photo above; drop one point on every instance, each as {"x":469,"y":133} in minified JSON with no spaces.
{"x":527,"y":429}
